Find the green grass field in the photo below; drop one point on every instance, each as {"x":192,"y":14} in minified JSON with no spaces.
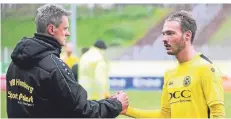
{"x":139,"y":99}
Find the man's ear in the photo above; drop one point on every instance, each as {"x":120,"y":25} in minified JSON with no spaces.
{"x":188,"y":35}
{"x":50,"y":29}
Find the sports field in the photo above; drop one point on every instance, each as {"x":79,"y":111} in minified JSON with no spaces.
{"x":140,"y":99}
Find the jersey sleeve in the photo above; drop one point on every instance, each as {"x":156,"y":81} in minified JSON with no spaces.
{"x":212,"y":86}
{"x":142,"y":113}
{"x":164,"y":111}
{"x":217,"y":111}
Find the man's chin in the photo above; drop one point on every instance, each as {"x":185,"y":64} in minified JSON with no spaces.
{"x":170,"y":53}
{"x":63,"y":43}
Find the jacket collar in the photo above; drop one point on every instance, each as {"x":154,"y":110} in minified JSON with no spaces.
{"x":48,"y":39}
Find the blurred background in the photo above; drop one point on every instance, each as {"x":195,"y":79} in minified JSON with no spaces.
{"x":132,"y":32}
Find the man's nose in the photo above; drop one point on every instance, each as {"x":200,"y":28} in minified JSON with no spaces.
{"x":164,"y":38}
{"x":68,"y":33}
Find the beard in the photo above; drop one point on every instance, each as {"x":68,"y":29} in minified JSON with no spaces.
{"x":178,"y":47}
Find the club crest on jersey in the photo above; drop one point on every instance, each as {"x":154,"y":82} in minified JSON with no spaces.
{"x":187,"y":81}
{"x":212,"y":69}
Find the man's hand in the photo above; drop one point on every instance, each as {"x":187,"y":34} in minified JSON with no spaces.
{"x":123,"y":98}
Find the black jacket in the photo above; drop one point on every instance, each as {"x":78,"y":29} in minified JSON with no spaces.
{"x":40,"y":84}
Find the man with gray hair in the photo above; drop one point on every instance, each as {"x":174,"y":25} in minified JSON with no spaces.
{"x":40,"y":84}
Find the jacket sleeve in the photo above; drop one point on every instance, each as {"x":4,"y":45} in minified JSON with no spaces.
{"x":70,"y":98}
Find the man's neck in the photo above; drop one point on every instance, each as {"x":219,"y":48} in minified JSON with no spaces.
{"x":68,"y":54}
{"x":186,"y":54}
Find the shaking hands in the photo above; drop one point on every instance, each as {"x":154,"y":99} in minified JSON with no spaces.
{"x":123,"y":98}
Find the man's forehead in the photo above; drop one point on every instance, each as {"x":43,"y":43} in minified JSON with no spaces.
{"x":171,"y":25}
{"x":65,"y":19}
{"x":65,"y":24}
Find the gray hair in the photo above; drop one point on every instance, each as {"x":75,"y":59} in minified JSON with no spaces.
{"x":49,"y":14}
{"x":187,"y":22}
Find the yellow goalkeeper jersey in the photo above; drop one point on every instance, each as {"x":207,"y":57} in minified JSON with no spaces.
{"x":93,"y":74}
{"x":189,"y":91}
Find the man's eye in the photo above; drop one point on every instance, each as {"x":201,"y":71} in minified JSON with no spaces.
{"x":169,"y":33}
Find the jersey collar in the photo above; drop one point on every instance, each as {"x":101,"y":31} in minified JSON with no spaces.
{"x":190,"y":61}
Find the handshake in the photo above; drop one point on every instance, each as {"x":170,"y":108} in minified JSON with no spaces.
{"x":123,"y":98}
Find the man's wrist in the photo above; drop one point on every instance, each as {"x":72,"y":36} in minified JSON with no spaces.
{"x":128,"y":111}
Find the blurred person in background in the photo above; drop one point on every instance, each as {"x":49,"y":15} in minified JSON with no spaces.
{"x":93,"y":71}
{"x":40,"y":84}
{"x":75,"y":66}
{"x":194,"y":88}
{"x":68,"y":57}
